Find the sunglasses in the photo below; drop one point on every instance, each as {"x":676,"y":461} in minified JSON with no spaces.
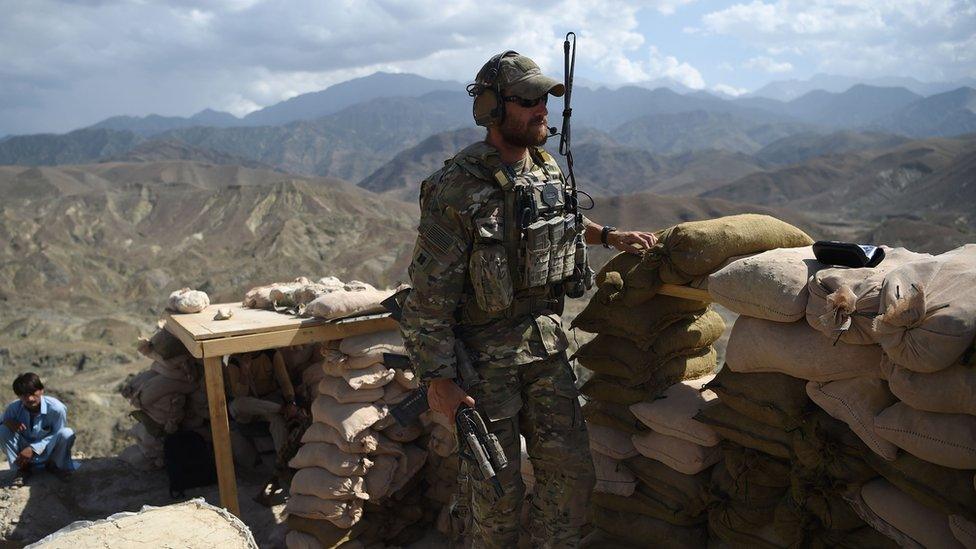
{"x":526,"y":103}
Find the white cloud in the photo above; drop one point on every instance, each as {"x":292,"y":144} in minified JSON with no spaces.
{"x":668,"y":66}
{"x":730,"y":90}
{"x":766,"y":64}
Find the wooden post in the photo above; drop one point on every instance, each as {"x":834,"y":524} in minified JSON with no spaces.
{"x":220,"y":429}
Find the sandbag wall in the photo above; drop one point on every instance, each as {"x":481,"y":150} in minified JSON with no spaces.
{"x":652,"y":356}
{"x":847,"y":401}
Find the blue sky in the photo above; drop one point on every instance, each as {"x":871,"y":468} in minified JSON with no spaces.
{"x":66,"y":64}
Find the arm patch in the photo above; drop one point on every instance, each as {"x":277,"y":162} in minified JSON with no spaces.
{"x":438,"y":240}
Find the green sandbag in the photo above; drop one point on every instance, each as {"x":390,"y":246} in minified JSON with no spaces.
{"x":641,"y":324}
{"x":821,"y":496}
{"x":772,"y":398}
{"x":827,"y":445}
{"x":752,"y":495}
{"x":688,"y":492}
{"x":598,"y":539}
{"x":862,"y":538}
{"x":795,"y":524}
{"x":740,"y":526}
{"x":608,"y":389}
{"x":750,"y":467}
{"x":652,"y":382}
{"x":948,"y":490}
{"x":620,"y":264}
{"x":327,"y":534}
{"x":615,"y":416}
{"x":744,"y":431}
{"x":698,"y":248}
{"x":647,"y":503}
{"x":646,"y":531}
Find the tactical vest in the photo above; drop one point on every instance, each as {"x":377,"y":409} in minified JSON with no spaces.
{"x":521,"y":260}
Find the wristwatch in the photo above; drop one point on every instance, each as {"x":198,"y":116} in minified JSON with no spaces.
{"x":607,"y":229}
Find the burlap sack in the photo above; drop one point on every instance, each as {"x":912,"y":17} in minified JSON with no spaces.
{"x":344,"y":304}
{"x":182,"y":368}
{"x":926,"y":526}
{"x":745,"y":431}
{"x":772,"y":398}
{"x":858,"y":505}
{"x":680,"y":455}
{"x":673,"y":413}
{"x":760,"y":500}
{"x":641,"y":324}
{"x":963,"y":530}
{"x":318,"y":482}
{"x":349,"y":419}
{"x":442,"y":441}
{"x":402,"y":434}
{"x":598,"y":539}
{"x":331,"y":458}
{"x":639,"y":529}
{"x":646,"y":503}
{"x":843,"y":302}
{"x":385,"y":446}
{"x":363,"y":443}
{"x":771,"y":285}
{"x":373,"y":343}
{"x":342,"y":513}
{"x":749,"y":468}
{"x":407,"y":379}
{"x":394,"y":393}
{"x":613,"y":477}
{"x":339,"y":389}
{"x":374,"y":377}
{"x":379,"y":478}
{"x":951,"y":491}
{"x":928,"y":310}
{"x":734,"y":523}
{"x":825,"y":444}
{"x":944,"y":439}
{"x":161,"y":345}
{"x":819,"y":495}
{"x":611,"y":442}
{"x":408,"y":466}
{"x":300,"y":540}
{"x":855,"y":402}
{"x":689,"y":494}
{"x":864,"y":537}
{"x":608,"y":389}
{"x":327,"y":534}
{"x":795,"y":349}
{"x":948,"y":391}
{"x":186,"y":300}
{"x":612,"y":415}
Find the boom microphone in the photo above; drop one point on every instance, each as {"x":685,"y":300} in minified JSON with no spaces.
{"x":553,"y":130}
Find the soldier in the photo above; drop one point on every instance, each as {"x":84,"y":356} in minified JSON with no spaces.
{"x":494,"y":254}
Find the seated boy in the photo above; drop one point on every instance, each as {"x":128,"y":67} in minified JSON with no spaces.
{"x":35,"y":431}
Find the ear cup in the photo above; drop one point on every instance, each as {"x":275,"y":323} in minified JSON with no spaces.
{"x":487,"y":109}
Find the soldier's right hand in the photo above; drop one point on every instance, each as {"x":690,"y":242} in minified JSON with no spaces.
{"x":444,"y":396}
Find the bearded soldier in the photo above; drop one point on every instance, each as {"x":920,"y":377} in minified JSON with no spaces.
{"x":498,"y":248}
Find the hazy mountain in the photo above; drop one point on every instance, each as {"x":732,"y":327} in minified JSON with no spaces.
{"x":945,"y":114}
{"x":313,"y":105}
{"x":802,"y":146}
{"x":157,"y":150}
{"x":787,"y":90}
{"x":154,"y":123}
{"x":74,"y":147}
{"x":858,"y":105}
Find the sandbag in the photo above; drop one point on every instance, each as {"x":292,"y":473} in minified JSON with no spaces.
{"x":331,"y":458}
{"x":673,"y":413}
{"x":742,"y":430}
{"x":748,"y":467}
{"x":443,"y":442}
{"x":345,"y":304}
{"x":944,"y":439}
{"x":688,"y":494}
{"x":858,"y":505}
{"x":598,"y":539}
{"x":186,"y":300}
{"x":843,"y":301}
{"x":300,"y":540}
{"x":373,"y":343}
{"x":379,"y":478}
{"x":402,"y":434}
{"x":612,"y":477}
{"x":771,"y":285}
{"x":327,"y":534}
{"x":349,"y":419}
{"x":951,"y":491}
{"x":641,"y":324}
{"x":394,"y":393}
{"x":828,"y":445}
{"x":363,"y":443}
{"x":407,"y":379}
{"x":408,"y":466}
{"x":756,"y":497}
{"x":733,"y":523}
{"x":928,"y":310}
{"x":795,"y":349}
{"x":161,"y":345}
{"x":855,"y":402}
{"x":927,"y":526}
{"x":318,"y":482}
{"x":963,"y":530}
{"x":615,"y":416}
{"x":611,"y":442}
{"x":339,"y":389}
{"x":608,"y":389}
{"x":342,"y":513}
{"x":374,"y":377}
{"x":645,"y":503}
{"x":775,"y":399}
{"x":948,"y":391}
{"x":682,"y":456}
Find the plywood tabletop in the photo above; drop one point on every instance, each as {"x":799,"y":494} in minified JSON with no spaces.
{"x":202,"y":326}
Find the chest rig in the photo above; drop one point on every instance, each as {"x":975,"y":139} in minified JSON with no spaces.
{"x":526,"y":259}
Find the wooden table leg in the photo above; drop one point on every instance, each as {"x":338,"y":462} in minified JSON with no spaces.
{"x":220,"y":429}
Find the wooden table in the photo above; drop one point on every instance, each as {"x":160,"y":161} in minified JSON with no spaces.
{"x":249,"y":330}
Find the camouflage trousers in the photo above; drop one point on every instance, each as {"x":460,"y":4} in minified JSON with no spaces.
{"x":538,"y":400}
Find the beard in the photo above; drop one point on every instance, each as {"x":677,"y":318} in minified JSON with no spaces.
{"x":528,"y":134}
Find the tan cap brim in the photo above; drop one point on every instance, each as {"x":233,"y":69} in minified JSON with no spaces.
{"x":536,"y":85}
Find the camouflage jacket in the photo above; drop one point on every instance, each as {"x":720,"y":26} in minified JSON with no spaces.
{"x":454,"y":202}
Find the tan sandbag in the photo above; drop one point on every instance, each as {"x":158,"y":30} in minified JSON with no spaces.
{"x":394,"y":393}
{"x":673,"y":412}
{"x":608,"y":389}
{"x":318,"y":482}
{"x":680,"y":455}
{"x":611,"y":442}
{"x":385,"y":446}
{"x":744,"y":431}
{"x":373,"y":343}
{"x":182,"y":368}
{"x":380,"y":477}
{"x":349,"y":419}
{"x":928,"y":310}
{"x":407,"y":379}
{"x":363,"y":443}
{"x":775,"y":399}
{"x":442,"y":441}
{"x":926,"y":526}
{"x":639,"y":529}
{"x":771,"y":285}
{"x":963,"y":530}
{"x":327,"y":534}
{"x":161,"y":346}
{"x":944,"y":439}
{"x":331,"y":458}
{"x":750,"y":467}
{"x":339,"y":389}
{"x":374,"y":377}
{"x":943,"y":488}
{"x":345,"y":304}
{"x":347,"y":362}
{"x":613,"y":477}
{"x":615,"y":416}
{"x":342,"y":513}
{"x":856,"y":402}
{"x":843,"y":302}
{"x":403,"y":434}
{"x":300,"y":540}
{"x":797,"y":350}
{"x":948,"y":391}
{"x":687,"y":494}
{"x":408,"y":466}
{"x":260,"y":297}
{"x":186,"y":300}
{"x":861,"y":508}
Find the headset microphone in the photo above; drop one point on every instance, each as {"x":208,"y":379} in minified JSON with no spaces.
{"x":553,"y":130}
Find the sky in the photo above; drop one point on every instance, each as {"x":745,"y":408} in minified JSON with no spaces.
{"x":70,"y":63}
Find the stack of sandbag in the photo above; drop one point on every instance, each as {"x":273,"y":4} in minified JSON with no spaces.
{"x":356,"y":464}
{"x":328,"y":297}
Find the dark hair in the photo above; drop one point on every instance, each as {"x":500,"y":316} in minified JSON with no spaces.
{"x":27,"y":384}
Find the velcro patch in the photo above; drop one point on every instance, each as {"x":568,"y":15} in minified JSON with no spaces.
{"x":438,"y":240}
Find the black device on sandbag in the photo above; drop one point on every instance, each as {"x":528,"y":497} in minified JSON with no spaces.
{"x":847,"y":254}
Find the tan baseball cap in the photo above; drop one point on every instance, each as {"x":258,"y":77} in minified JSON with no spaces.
{"x":519,"y":75}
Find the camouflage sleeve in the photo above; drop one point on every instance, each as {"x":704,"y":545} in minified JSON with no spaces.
{"x":437,"y":273}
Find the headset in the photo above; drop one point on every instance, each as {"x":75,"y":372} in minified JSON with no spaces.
{"x":489,"y":107}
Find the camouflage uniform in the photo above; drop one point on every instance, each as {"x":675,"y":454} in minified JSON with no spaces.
{"x":519,"y":350}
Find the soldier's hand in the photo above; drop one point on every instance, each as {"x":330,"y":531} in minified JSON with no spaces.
{"x":15,"y":425}
{"x":631,"y":241}
{"x":444,"y":396}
